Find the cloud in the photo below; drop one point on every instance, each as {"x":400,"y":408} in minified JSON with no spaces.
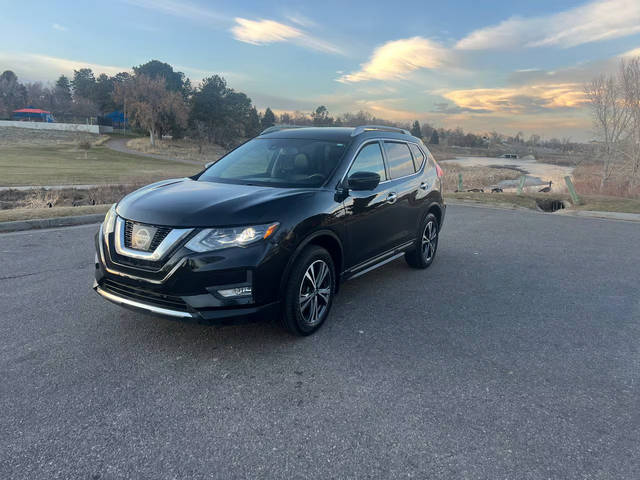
{"x":255,"y":32}
{"x":35,"y":67}
{"x":397,"y":59}
{"x":591,"y":22}
{"x":300,"y":20}
{"x":58,"y":27}
{"x":264,"y":32}
{"x":579,"y":73}
{"x":181,"y":9}
{"x":631,"y":53}
{"x":447,"y":108}
{"x":526,"y":99}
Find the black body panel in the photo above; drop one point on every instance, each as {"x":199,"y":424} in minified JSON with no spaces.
{"x":359,"y":228}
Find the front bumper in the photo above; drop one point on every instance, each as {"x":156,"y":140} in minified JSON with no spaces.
{"x":186,"y":286}
{"x":219,"y":317}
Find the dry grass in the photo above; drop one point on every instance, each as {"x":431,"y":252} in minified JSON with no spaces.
{"x":182,"y":149}
{"x":596,"y":203}
{"x":11,"y":136}
{"x":68,"y":197}
{"x":587,"y":179}
{"x":501,"y":199}
{"x":37,"y":213}
{"x":475,"y":177}
{"x":42,"y":199}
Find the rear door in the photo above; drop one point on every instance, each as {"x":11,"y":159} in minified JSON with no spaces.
{"x":404,"y":183}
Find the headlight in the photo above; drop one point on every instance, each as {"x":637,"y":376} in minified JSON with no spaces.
{"x":217,"y":238}
{"x":109,"y":221}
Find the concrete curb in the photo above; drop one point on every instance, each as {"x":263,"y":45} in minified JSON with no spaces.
{"x":50,"y":222}
{"x":626,"y":217}
{"x":494,"y":206}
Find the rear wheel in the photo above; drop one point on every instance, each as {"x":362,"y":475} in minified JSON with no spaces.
{"x":309,"y":292}
{"x":424,"y":251}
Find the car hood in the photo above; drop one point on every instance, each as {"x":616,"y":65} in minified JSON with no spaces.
{"x":191,"y":203}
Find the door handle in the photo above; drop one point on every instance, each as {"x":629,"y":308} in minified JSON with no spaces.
{"x":424,"y":186}
{"x":392,"y":197}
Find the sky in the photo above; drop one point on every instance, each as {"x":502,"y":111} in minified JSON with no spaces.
{"x":482,"y":65}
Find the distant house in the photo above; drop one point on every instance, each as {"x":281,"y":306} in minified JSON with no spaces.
{"x":31,"y":114}
{"x":117,"y":119}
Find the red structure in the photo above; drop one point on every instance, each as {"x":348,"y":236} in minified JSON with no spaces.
{"x":31,"y":114}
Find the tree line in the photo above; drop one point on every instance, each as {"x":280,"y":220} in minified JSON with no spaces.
{"x":162,"y":101}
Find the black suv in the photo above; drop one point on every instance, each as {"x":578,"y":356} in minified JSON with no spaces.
{"x":274,"y":226}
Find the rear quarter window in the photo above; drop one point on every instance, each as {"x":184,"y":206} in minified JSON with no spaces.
{"x":418,"y":156}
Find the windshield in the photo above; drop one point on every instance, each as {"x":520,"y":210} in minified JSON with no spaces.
{"x":278,"y":162}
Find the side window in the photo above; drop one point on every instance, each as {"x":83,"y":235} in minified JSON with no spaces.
{"x":399,"y":159}
{"x":418,"y":156}
{"x":370,"y":160}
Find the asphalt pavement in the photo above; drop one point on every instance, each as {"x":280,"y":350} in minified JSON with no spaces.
{"x":515,"y":356}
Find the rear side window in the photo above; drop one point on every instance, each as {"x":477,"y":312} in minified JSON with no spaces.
{"x":399,"y":159}
{"x":369,"y":160}
{"x":418,"y":156}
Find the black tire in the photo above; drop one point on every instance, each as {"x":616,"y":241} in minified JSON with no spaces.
{"x":424,"y":251}
{"x":306,"y":305}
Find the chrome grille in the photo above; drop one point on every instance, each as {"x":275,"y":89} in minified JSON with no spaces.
{"x":160,"y":235}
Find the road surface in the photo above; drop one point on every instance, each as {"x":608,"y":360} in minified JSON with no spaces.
{"x":516,"y":355}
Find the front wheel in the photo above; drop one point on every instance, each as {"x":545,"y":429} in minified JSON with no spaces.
{"x":424,"y":251}
{"x":309,"y":292}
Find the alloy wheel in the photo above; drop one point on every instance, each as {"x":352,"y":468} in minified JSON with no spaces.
{"x":315,"y":292}
{"x":429,"y":240}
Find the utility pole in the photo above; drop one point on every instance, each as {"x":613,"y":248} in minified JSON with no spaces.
{"x":124,"y":120}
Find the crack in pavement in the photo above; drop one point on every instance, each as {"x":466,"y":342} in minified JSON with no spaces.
{"x":11,"y":277}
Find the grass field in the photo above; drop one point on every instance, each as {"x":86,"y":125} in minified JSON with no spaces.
{"x":182,"y":149}
{"x":65,"y":164}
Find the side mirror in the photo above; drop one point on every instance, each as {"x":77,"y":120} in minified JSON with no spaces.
{"x":363,"y":181}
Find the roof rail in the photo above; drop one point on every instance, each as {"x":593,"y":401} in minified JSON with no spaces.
{"x":381,"y":128}
{"x":277,"y":128}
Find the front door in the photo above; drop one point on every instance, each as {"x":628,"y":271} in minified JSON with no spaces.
{"x":370,"y":219}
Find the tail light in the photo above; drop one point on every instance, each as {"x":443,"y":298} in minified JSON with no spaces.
{"x":438,"y":169}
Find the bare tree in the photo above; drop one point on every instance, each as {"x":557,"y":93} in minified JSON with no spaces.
{"x":611,"y":119}
{"x":630,"y":80}
{"x":151,"y":105}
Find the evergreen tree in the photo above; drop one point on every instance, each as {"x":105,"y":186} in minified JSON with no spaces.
{"x":253,"y":123}
{"x":268,"y":119}
{"x":416,"y":131}
{"x":435,"y":139}
{"x":63,"y":89}
{"x":83,"y":83}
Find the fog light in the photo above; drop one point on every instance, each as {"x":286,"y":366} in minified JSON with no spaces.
{"x":236,"y":292}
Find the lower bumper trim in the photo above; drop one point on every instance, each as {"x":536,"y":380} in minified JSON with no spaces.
{"x":143,"y":306}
